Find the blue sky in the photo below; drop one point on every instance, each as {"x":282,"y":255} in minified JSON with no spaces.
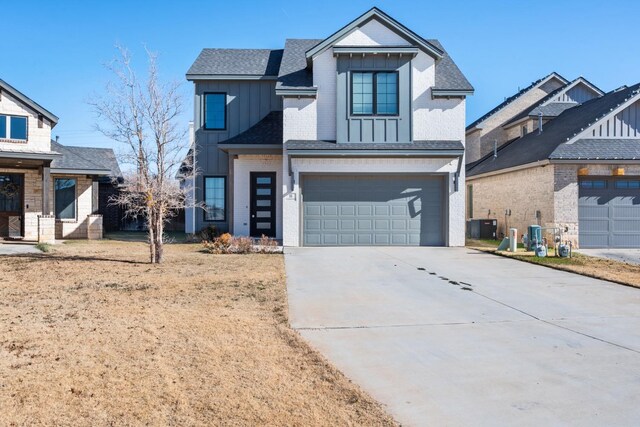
{"x":55,"y":52}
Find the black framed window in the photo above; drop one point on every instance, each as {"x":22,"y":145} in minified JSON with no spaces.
{"x":13,"y":127}
{"x":3,"y":126}
{"x":595,"y":184}
{"x":215,"y":189}
{"x":18,"y":127}
{"x":374,"y":93}
{"x":65,"y":198}
{"x":215,"y":111}
{"x":628,"y":183}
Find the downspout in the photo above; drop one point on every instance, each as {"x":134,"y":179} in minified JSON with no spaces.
{"x":457,"y":175}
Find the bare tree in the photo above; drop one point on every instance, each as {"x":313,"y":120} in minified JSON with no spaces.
{"x":145,"y":116}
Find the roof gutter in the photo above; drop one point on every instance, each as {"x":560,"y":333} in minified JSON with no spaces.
{"x":101,"y":172}
{"x":451,"y":93}
{"x":311,"y":92}
{"x":29,"y":156}
{"x":599,"y":161}
{"x":196,"y":77}
{"x":540,"y":163}
{"x":374,"y":153}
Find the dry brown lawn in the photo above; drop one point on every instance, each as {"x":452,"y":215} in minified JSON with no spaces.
{"x":599,"y":268}
{"x":92,"y":335}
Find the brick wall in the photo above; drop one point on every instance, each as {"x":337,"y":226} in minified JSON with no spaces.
{"x":38,"y":139}
{"x":523,"y":192}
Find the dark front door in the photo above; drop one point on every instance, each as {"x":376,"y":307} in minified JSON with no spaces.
{"x":263,"y":204}
{"x":11,"y":203}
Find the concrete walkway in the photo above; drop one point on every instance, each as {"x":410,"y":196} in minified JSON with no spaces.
{"x":18,"y":248}
{"x":450,"y":336}
{"x":631,"y":256}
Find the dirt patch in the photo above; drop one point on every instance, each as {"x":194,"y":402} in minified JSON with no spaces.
{"x":92,"y":335}
{"x":598,"y":268}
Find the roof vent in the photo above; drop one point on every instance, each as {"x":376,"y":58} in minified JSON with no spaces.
{"x":623,"y":87}
{"x":539,"y":122}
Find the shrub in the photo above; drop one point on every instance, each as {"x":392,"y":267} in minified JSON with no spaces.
{"x":228,"y":244}
{"x":44,"y":247}
{"x":209,"y":233}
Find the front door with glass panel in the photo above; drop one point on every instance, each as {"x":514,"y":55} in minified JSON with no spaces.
{"x":263,"y":204}
{"x":11,"y":196}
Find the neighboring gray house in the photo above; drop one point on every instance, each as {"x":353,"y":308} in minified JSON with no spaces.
{"x":48,"y":190}
{"x":355,"y":139}
{"x":580,"y":172}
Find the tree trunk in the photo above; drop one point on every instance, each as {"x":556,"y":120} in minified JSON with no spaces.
{"x":152,"y":237}
{"x":159,"y":226}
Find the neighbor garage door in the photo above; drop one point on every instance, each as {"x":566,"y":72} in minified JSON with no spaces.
{"x":609,"y":212}
{"x":373,"y":210}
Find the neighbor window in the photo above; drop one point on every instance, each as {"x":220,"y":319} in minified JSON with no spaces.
{"x":633,"y":184}
{"x":374,"y":93}
{"x":596,"y":184}
{"x":65,"y":198}
{"x":214,"y":198}
{"x":215,"y":111}
{"x":13,"y":127}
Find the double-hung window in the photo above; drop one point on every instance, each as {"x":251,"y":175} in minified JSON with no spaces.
{"x":215,"y":111}
{"x":65,"y":198}
{"x":374,"y":93}
{"x":13,"y":127}
{"x":214,"y":198}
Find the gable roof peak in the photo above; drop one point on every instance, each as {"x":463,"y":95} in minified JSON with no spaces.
{"x":388,"y":21}
{"x":29,"y":102}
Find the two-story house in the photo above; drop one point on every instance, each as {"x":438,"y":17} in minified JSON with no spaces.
{"x":355,"y":139}
{"x":48,"y":190}
{"x":568,"y":161}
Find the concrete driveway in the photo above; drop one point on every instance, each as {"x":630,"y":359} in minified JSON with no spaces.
{"x":451,"y":336}
{"x":18,"y":249}
{"x":631,"y":256}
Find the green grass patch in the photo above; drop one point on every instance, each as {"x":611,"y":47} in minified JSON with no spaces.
{"x":44,"y":247}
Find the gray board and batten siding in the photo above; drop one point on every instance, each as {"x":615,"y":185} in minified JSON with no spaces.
{"x":247,"y":102}
{"x":367,"y":129}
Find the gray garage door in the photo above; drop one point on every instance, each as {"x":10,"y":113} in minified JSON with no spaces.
{"x":373,"y":210}
{"x":609,"y":212}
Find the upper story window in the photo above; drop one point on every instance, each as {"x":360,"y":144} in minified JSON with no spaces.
{"x":374,"y":93}
{"x":215,"y":111}
{"x":13,"y":127}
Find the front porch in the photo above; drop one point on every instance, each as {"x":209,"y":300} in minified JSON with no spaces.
{"x":27,"y":198}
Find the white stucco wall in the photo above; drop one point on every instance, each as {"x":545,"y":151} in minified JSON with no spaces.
{"x":371,"y":34}
{"x":325,"y":78}
{"x":242,"y":168}
{"x":299,"y":117}
{"x":38,"y":139}
{"x":433,"y":119}
{"x":292,"y":204}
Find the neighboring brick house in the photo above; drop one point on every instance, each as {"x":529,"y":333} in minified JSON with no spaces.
{"x":580,"y":172}
{"x":356,"y":139}
{"x":48,"y":191}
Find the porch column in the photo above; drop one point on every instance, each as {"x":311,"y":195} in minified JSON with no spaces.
{"x":46,"y":183}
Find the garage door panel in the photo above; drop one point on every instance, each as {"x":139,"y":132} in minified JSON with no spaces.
{"x":381,"y":209}
{"x":609,"y":216}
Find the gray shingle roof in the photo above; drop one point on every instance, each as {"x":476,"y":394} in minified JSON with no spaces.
{"x":332,"y":145}
{"x":266,"y":131}
{"x":512,"y":98}
{"x":28,"y":101}
{"x":598,"y":149}
{"x":86,"y":158}
{"x":448,"y":75}
{"x":293,"y":73}
{"x":552,"y":110}
{"x":538,"y":147}
{"x":248,"y":62}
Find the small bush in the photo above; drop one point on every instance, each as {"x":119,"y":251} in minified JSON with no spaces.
{"x":209,"y":234}
{"x":44,"y":247}
{"x":228,"y":244}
